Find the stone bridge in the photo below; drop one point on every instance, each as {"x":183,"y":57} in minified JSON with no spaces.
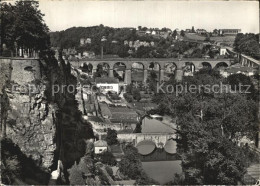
{"x":159,"y":139}
{"x":243,"y":59}
{"x":180,"y":64}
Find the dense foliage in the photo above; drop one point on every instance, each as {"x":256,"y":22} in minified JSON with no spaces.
{"x":111,"y":137}
{"x":162,"y":47}
{"x":209,"y":126}
{"x":248,"y":44}
{"x":17,"y":168}
{"x":107,"y":158}
{"x":22,"y":26}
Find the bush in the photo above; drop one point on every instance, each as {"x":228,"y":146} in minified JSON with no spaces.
{"x":108,"y":158}
{"x":129,"y":98}
{"x":75,"y":176}
{"x":109,"y":171}
{"x":111,"y":137}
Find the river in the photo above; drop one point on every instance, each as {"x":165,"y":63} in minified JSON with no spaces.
{"x":160,"y":165}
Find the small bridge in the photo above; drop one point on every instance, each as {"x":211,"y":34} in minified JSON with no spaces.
{"x":159,"y":139}
{"x":151,"y":141}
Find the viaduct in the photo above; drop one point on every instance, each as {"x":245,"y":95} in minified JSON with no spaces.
{"x":194,"y":63}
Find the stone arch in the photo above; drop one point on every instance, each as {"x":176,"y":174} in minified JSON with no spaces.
{"x":137,"y":72}
{"x":221,"y":65}
{"x":119,"y":70}
{"x":154,"y":68}
{"x":102,"y":69}
{"x":189,"y":69}
{"x":86,"y":67}
{"x":206,"y":65}
{"x":170,"y":69}
{"x":146,"y":147}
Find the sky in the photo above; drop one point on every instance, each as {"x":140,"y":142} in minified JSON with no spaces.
{"x":63,"y":14}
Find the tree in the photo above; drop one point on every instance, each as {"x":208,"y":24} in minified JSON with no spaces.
{"x":247,"y":44}
{"x":111,"y":137}
{"x":152,"y":81}
{"x":136,"y":94}
{"x":215,"y":31}
{"x":23,"y":23}
{"x":143,"y":52}
{"x":108,"y":158}
{"x":75,"y":176}
{"x":151,"y":65}
{"x":209,"y":126}
{"x":236,"y":80}
{"x":182,"y":33}
{"x":192,"y":29}
{"x":174,"y":34}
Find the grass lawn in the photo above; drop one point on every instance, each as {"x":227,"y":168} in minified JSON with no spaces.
{"x":224,"y":39}
{"x":194,"y":37}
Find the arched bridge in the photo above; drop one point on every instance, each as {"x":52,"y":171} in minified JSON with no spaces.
{"x":159,"y":139}
{"x":163,"y":65}
{"x":150,"y":141}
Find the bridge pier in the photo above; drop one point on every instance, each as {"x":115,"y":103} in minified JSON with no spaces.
{"x":161,"y":76}
{"x":110,"y":73}
{"x":127,"y":78}
{"x":145,"y":75}
{"x":178,"y":74}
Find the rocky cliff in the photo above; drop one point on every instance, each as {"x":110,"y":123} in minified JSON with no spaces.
{"x":43,"y":122}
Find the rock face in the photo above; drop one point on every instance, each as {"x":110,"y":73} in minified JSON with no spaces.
{"x":28,"y":109}
{"x":45,"y":124}
{"x":31,"y":125}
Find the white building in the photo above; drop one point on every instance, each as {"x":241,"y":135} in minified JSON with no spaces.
{"x":100,"y":146}
{"x":223,"y":51}
{"x":106,"y":84}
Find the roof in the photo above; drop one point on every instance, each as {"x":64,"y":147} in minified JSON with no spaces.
{"x":107,"y":80}
{"x":105,"y":111}
{"x":123,"y":115}
{"x":95,"y":118}
{"x":100,"y":143}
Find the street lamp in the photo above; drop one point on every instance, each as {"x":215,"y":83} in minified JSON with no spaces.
{"x":102,"y":42}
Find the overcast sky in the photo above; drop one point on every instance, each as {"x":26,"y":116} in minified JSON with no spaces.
{"x":63,"y":14}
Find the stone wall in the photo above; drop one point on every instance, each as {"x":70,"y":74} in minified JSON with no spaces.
{"x":25,"y":70}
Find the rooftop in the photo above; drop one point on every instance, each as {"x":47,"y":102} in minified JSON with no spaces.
{"x":106,"y":80}
{"x":100,"y":143}
{"x":105,"y":109}
{"x":123,"y":115}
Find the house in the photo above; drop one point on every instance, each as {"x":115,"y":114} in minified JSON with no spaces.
{"x":106,"y":84}
{"x":100,"y":146}
{"x":222,"y":51}
{"x":201,"y":31}
{"x":84,"y":41}
{"x":229,"y":31}
{"x":88,"y":54}
{"x":248,"y":71}
{"x":125,"y":117}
